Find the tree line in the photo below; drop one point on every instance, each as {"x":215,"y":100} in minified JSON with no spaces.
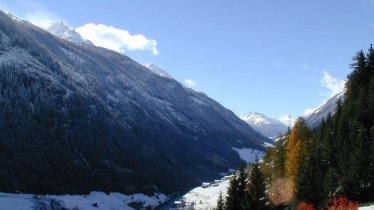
{"x":329,"y":166}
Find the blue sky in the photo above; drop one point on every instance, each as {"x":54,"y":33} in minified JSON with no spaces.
{"x":273,"y":57}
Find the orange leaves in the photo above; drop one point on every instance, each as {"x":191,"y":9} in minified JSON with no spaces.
{"x":304,"y":206}
{"x":342,"y":203}
{"x":335,"y":203}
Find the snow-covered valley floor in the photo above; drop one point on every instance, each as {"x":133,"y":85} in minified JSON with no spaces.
{"x":206,"y":198}
{"x":93,"y":201}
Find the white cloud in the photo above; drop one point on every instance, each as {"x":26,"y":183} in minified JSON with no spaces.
{"x":305,"y":67}
{"x":190,"y":83}
{"x":116,"y":39}
{"x":371,"y":26}
{"x":287,"y":120}
{"x":276,"y":64}
{"x":309,"y":111}
{"x":39,"y":15}
{"x":333,"y":85}
{"x":41,"y":18}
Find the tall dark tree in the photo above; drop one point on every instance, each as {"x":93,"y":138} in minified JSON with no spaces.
{"x":309,"y":187}
{"x":232,"y":197}
{"x":236,"y":191}
{"x":257,"y":187}
{"x":220,"y":202}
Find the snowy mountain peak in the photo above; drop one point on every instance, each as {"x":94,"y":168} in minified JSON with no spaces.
{"x":63,"y":31}
{"x":13,"y":16}
{"x":256,"y":118}
{"x":157,"y":70}
{"x":263,"y":124}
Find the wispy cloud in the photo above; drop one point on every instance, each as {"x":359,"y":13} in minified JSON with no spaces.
{"x":305,"y":67}
{"x":33,"y":12}
{"x":42,"y":18}
{"x":287,"y":120}
{"x":309,"y":111}
{"x":190,"y":83}
{"x":116,"y":39}
{"x":333,"y":85}
{"x":371,"y":26}
{"x":276,"y":64}
{"x":109,"y":37}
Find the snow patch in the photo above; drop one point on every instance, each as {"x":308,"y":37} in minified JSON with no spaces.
{"x":248,"y":154}
{"x":367,"y":208}
{"x":206,"y":198}
{"x":93,"y":201}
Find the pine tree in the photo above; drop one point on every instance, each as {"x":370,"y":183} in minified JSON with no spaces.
{"x":236,"y":191}
{"x":242,"y":180}
{"x":257,"y":188}
{"x":232,"y":197}
{"x":220,"y":202}
{"x":311,"y":175}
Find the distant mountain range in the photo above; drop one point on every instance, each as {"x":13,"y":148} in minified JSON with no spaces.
{"x":76,"y":118}
{"x":265,"y":125}
{"x":272,"y":128}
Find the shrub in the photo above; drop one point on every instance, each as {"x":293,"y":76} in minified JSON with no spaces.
{"x":342,"y":203}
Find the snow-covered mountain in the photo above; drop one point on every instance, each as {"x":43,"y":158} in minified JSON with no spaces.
{"x":157,"y":70}
{"x":63,"y":31}
{"x":315,"y":118}
{"x":76,"y":118}
{"x":265,"y":125}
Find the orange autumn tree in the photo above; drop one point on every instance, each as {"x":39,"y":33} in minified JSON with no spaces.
{"x":297,"y":148}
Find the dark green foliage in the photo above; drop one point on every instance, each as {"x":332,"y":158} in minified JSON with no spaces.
{"x":256,"y":188}
{"x":342,"y":157}
{"x":247,"y":192}
{"x":309,"y":186}
{"x":237,"y":189}
{"x":232,"y":197}
{"x":339,"y":158}
{"x":220,"y":202}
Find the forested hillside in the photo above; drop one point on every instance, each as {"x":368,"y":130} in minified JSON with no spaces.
{"x":76,"y":118}
{"x":337,"y":158}
{"x":331,"y":166}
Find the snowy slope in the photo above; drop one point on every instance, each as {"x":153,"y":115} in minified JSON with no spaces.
{"x":93,"y":201}
{"x":157,"y":70}
{"x":206,"y":198}
{"x":108,"y":116}
{"x":249,"y":155}
{"x":315,"y":118}
{"x":367,"y":208}
{"x":63,"y":31}
{"x":265,"y":125}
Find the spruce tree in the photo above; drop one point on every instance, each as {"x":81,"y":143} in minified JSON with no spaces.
{"x":311,"y":176}
{"x":220,"y":202}
{"x":257,"y":187}
{"x":237,"y":189}
{"x":232,"y":197}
